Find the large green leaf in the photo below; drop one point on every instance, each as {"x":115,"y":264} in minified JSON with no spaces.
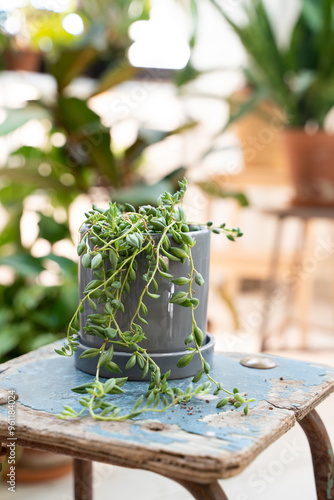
{"x":115,"y":76}
{"x":51,"y":230}
{"x":187,"y":74}
{"x":76,"y":117}
{"x":67,"y":266}
{"x":11,"y":232}
{"x":11,"y":336}
{"x":320,"y":98}
{"x":146,"y":138}
{"x":194,"y":11}
{"x":32,"y":180}
{"x":29,"y":298}
{"x":18,"y":117}
{"x":141,"y":194}
{"x":241,"y":108}
{"x":213,"y":189}
{"x":89,"y":136}
{"x":12,"y":194}
{"x":71,"y":64}
{"x":23,"y":264}
{"x":313,"y":14}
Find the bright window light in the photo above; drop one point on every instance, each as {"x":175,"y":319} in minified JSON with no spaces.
{"x":12,"y":25}
{"x":53,"y":5}
{"x":164,"y":55}
{"x":7,"y":6}
{"x":162,"y":41}
{"x":73,"y":24}
{"x":139,"y":30}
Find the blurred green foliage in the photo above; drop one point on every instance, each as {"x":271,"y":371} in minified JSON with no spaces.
{"x":105,"y":25}
{"x":298,"y":76}
{"x":82,"y":157}
{"x":32,"y":314}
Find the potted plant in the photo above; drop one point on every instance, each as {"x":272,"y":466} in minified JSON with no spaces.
{"x":258,"y":123}
{"x":32,"y":34}
{"x":137,"y":268}
{"x":298,"y":77}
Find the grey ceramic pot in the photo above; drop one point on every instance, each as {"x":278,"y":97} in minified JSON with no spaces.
{"x":168,"y":324}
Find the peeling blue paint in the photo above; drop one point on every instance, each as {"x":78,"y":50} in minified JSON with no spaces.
{"x":45,"y":386}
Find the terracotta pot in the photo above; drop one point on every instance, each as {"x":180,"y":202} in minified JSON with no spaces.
{"x":311,"y":161}
{"x":24,"y":60}
{"x":259,"y":133}
{"x":35,"y":466}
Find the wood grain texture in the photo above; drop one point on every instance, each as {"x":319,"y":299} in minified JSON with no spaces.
{"x":202,"y":446}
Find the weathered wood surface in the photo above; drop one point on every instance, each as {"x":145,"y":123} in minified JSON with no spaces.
{"x":202,"y":445}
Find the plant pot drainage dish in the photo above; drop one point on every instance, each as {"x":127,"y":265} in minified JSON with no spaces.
{"x":143,"y":308}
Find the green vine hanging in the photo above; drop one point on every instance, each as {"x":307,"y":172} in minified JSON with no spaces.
{"x":118,"y":235}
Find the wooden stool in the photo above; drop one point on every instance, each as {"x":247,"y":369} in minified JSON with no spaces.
{"x":193,"y":447}
{"x":304,"y":214}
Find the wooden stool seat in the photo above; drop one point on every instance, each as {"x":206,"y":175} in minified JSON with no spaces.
{"x":194,"y":447}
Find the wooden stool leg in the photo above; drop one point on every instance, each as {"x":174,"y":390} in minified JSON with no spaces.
{"x":304,"y":290}
{"x":82,"y":479}
{"x":322,"y":454}
{"x":269,"y":284}
{"x":210,"y":491}
{"x":3,"y":455}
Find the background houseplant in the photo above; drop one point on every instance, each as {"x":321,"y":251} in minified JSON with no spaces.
{"x":76,"y":156}
{"x":121,"y":236}
{"x":298,"y":77}
{"x":32,"y":34}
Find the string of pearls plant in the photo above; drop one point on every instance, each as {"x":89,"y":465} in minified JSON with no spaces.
{"x":119,"y":235}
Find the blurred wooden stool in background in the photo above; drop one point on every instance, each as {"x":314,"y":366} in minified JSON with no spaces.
{"x":299,"y":279}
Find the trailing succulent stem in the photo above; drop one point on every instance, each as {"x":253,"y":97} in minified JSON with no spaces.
{"x":111,"y":241}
